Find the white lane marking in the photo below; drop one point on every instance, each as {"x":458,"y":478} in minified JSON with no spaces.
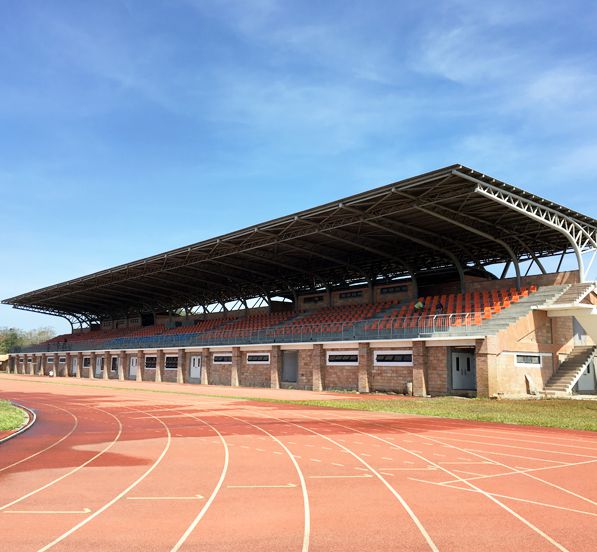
{"x":315,"y":459}
{"x":525,"y":449}
{"x":396,"y":494}
{"x":427,"y":468}
{"x":485,"y":493}
{"x":213,"y":494}
{"x":386,"y":458}
{"x":544,"y":468}
{"x":337,"y":464}
{"x":39,"y":489}
{"x":118,"y":496}
{"x":277,"y":452}
{"x":50,"y":446}
{"x":195,"y":497}
{"x":83,"y":511}
{"x":547,"y":505}
{"x":306,"y":508}
{"x":363,"y":476}
{"x":286,"y":486}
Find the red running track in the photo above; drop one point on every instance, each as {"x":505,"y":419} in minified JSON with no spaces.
{"x":114,"y":469}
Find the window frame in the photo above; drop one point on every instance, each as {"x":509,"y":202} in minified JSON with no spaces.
{"x":394,"y":352}
{"x":349,"y":352}
{"x":258,"y":355}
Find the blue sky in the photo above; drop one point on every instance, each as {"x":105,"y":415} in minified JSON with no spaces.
{"x":130,"y":127}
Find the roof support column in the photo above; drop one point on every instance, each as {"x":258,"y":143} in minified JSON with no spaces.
{"x":508,"y":249}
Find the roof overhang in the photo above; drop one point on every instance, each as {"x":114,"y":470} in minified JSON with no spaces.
{"x":452,"y":217}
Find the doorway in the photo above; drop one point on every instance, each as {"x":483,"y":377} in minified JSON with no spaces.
{"x":195,"y":370}
{"x":289,"y":366}
{"x":133,"y":363}
{"x":463,"y":370}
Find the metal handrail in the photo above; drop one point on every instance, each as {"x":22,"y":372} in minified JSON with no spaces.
{"x":370,"y":329}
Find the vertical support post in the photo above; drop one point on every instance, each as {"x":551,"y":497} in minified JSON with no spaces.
{"x":275,"y":359}
{"x":363,"y":384}
{"x":419,"y":369}
{"x":32,"y":365}
{"x":56,"y":365}
{"x":205,"y":366}
{"x":318,"y":367}
{"x":121,"y":365}
{"x":235,"y":367}
{"x":181,"y":370}
{"x":67,"y":359}
{"x":44,"y":364}
{"x":38,"y":365}
{"x":79,"y":371}
{"x":107,"y":365}
{"x":486,"y":351}
{"x":92,"y":361}
{"x":140,"y":365}
{"x":159,"y":366}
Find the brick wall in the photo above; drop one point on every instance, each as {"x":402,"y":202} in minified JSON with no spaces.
{"x":437,"y":370}
{"x":341,"y":377}
{"x":253,"y":375}
{"x":219,"y":374}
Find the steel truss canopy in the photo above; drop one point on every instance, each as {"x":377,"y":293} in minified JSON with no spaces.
{"x":452,"y":218}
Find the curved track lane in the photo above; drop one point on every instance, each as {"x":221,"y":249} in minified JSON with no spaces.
{"x":110,"y":469}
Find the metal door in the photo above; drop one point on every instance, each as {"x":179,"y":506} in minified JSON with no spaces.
{"x":133,"y":367}
{"x":195,"y":367}
{"x":463,"y":371}
{"x":586,"y":382}
{"x":99,"y":366}
{"x":289,"y":366}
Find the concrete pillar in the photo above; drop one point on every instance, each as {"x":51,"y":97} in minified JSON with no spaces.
{"x":140,"y":365}
{"x":486,"y":351}
{"x":121,"y":365}
{"x":365,"y":362}
{"x":107,"y":365}
{"x":205,"y":366}
{"x":92,"y":358}
{"x":79,"y":365}
{"x":32,"y":365}
{"x":12,"y":363}
{"x":419,"y":369}
{"x":275,"y":359}
{"x":56,"y":365}
{"x":181,"y":370}
{"x":67,"y":365}
{"x":43,"y":364}
{"x":159,"y":366}
{"x":235,"y":367}
{"x":318,"y":360}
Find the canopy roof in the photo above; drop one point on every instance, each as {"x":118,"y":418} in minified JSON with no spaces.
{"x":452,"y":217}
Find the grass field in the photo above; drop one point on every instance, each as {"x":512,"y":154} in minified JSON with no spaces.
{"x":567,"y":414}
{"x":11,"y":417}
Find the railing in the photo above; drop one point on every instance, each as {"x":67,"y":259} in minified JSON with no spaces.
{"x":397,"y":328}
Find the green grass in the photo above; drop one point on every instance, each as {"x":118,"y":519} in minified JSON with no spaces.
{"x":559,"y":413}
{"x":11,"y":417}
{"x":567,"y":414}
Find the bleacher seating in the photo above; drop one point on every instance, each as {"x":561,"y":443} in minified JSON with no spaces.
{"x":461,"y":309}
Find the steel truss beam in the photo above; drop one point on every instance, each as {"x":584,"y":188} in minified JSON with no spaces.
{"x":582,"y":236}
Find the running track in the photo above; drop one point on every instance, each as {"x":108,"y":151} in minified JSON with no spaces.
{"x":118,"y":469}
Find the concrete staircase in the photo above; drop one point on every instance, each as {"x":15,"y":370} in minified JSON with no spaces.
{"x":507,"y":317}
{"x":573,"y":293}
{"x":570,"y":370}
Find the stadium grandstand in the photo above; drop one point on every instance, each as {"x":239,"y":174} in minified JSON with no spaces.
{"x":434,"y":285}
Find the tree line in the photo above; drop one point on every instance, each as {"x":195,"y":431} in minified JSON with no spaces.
{"x":14,"y":337}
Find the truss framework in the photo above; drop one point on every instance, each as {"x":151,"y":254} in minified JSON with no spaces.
{"x":453,"y":217}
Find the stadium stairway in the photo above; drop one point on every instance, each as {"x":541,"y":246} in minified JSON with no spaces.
{"x":568,"y":373}
{"x":505,"y":318}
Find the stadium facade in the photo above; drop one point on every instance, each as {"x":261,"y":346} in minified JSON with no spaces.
{"x":387,"y":290}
